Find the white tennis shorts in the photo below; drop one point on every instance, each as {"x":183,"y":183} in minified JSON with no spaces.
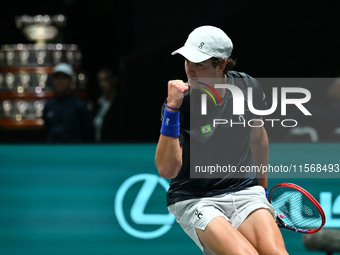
{"x":234,"y":207}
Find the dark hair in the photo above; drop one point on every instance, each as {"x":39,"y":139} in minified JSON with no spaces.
{"x":219,"y":61}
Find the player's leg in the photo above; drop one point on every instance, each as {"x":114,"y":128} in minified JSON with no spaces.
{"x":220,"y":237}
{"x":261,"y":231}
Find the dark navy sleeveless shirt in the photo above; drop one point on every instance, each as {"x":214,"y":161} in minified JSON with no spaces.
{"x":235,"y":144}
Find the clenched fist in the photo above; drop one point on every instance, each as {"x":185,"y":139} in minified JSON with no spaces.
{"x":176,"y":91}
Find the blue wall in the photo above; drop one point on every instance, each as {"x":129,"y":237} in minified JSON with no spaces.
{"x":89,"y":199}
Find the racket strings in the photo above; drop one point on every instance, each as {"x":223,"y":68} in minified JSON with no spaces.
{"x":295,"y":209}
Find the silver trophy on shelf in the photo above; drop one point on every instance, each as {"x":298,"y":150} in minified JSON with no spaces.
{"x":25,"y":69}
{"x":40,"y":28}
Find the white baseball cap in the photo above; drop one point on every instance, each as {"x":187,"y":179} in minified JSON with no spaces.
{"x":63,"y":68}
{"x":205,"y":42}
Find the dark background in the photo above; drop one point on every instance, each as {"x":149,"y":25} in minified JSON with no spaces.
{"x":271,"y":39}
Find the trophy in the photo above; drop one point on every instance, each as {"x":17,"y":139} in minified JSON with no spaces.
{"x":24,"y":55}
{"x":10,"y":78}
{"x":7,"y":107}
{"x":40,"y":28}
{"x":21,"y":108}
{"x":25,"y":70}
{"x":10,"y":57}
{"x":24,"y":79}
{"x":39,"y":107}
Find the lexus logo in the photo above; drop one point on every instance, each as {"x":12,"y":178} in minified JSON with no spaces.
{"x":137,"y":210}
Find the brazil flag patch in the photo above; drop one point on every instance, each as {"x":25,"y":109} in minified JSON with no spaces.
{"x":206,"y":129}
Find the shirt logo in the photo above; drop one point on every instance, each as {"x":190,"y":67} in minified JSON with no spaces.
{"x":198,"y":214}
{"x":201,"y":45}
{"x":206,"y":129}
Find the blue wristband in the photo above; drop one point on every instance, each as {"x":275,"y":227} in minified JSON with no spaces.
{"x":175,"y":109}
{"x":266,"y":193}
{"x":170,"y":124}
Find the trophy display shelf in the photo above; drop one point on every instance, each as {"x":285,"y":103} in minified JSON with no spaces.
{"x":26,"y":69}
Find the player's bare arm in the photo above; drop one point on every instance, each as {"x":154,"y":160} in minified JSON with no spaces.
{"x":168,"y":157}
{"x":259,"y":147}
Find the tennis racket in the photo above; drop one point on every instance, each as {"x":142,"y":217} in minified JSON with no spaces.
{"x":297,"y":209}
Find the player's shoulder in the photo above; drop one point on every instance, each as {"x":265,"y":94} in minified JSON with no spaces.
{"x":236,"y":74}
{"x":244,"y":78}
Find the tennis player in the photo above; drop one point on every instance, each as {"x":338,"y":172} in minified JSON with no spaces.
{"x":221,"y":215}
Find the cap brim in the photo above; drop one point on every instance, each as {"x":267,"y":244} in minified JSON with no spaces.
{"x":192,"y":54}
{"x":58,"y":72}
